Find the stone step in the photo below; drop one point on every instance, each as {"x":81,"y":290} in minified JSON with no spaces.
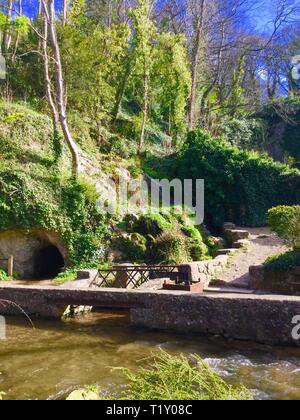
{"x":228,"y":251}
{"x":242,"y":243}
{"x":236,"y":235}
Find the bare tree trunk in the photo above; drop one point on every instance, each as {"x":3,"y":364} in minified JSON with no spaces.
{"x":15,"y":49}
{"x":195,"y":68}
{"x":65,"y":11}
{"x":145,"y":112}
{"x":40,"y":7}
{"x":49,"y":94}
{"x":7,"y":34}
{"x":59,"y":85}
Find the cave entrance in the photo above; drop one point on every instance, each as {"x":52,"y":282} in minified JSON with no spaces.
{"x":49,"y":262}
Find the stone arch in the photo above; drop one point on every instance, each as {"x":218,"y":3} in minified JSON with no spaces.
{"x":28,"y":248}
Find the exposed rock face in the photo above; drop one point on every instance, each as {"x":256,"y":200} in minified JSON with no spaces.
{"x":25,"y":246}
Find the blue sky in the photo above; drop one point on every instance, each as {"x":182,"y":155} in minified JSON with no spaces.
{"x":260,"y":18}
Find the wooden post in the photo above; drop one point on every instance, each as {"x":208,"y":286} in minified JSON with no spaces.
{"x":10,"y":266}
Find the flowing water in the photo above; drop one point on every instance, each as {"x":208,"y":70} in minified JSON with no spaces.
{"x":56,"y":357}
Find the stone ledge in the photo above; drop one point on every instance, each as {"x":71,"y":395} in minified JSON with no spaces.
{"x":203,"y":271}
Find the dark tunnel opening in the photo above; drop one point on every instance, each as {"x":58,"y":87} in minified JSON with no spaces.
{"x":49,"y":262}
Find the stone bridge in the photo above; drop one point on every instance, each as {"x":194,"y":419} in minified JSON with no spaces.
{"x":262,"y":318}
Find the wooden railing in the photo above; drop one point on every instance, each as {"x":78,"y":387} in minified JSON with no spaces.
{"x":10,"y":265}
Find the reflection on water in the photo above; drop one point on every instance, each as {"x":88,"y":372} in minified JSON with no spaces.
{"x":56,"y":357}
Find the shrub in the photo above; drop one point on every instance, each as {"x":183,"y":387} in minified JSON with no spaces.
{"x":285,"y":221}
{"x":3,"y":275}
{"x":196,"y":247}
{"x":161,"y":238}
{"x":134,"y":248}
{"x":239,"y":185}
{"x":283,"y":262}
{"x":171,"y":247}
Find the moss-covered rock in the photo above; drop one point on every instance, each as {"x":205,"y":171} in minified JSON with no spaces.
{"x":151,"y":224}
{"x":161,"y":238}
{"x":133,"y":247}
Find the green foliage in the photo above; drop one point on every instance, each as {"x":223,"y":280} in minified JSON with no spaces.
{"x":161,"y":238}
{"x":3,"y":275}
{"x":245,"y":133}
{"x":65,"y":277}
{"x":169,"y":378}
{"x":282,"y":119}
{"x":285,"y":221}
{"x":134,"y":247}
{"x":171,"y":247}
{"x":177,"y":378}
{"x":283,"y":262}
{"x":239,"y":185}
{"x":34,"y":194}
{"x":151,"y":224}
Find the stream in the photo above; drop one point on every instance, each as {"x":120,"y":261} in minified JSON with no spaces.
{"x":48,"y":362}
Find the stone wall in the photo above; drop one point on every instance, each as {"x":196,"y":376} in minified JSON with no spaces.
{"x":280,"y":282}
{"x":266,"y":319}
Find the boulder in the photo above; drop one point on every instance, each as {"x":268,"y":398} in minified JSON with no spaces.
{"x":236,"y":235}
{"x":228,"y":226}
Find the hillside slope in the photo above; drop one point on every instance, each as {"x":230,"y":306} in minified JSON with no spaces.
{"x":36,"y":191}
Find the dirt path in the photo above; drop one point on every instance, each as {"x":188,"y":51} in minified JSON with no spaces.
{"x":263,"y":244}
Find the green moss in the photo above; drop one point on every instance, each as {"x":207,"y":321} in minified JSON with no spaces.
{"x":151,"y":224}
{"x":166,"y":238}
{"x":171,"y":247}
{"x":134,"y":248}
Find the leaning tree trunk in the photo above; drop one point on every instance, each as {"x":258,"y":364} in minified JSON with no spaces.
{"x":59,"y":87}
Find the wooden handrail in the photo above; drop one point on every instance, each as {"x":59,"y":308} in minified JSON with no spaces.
{"x":10,"y":265}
